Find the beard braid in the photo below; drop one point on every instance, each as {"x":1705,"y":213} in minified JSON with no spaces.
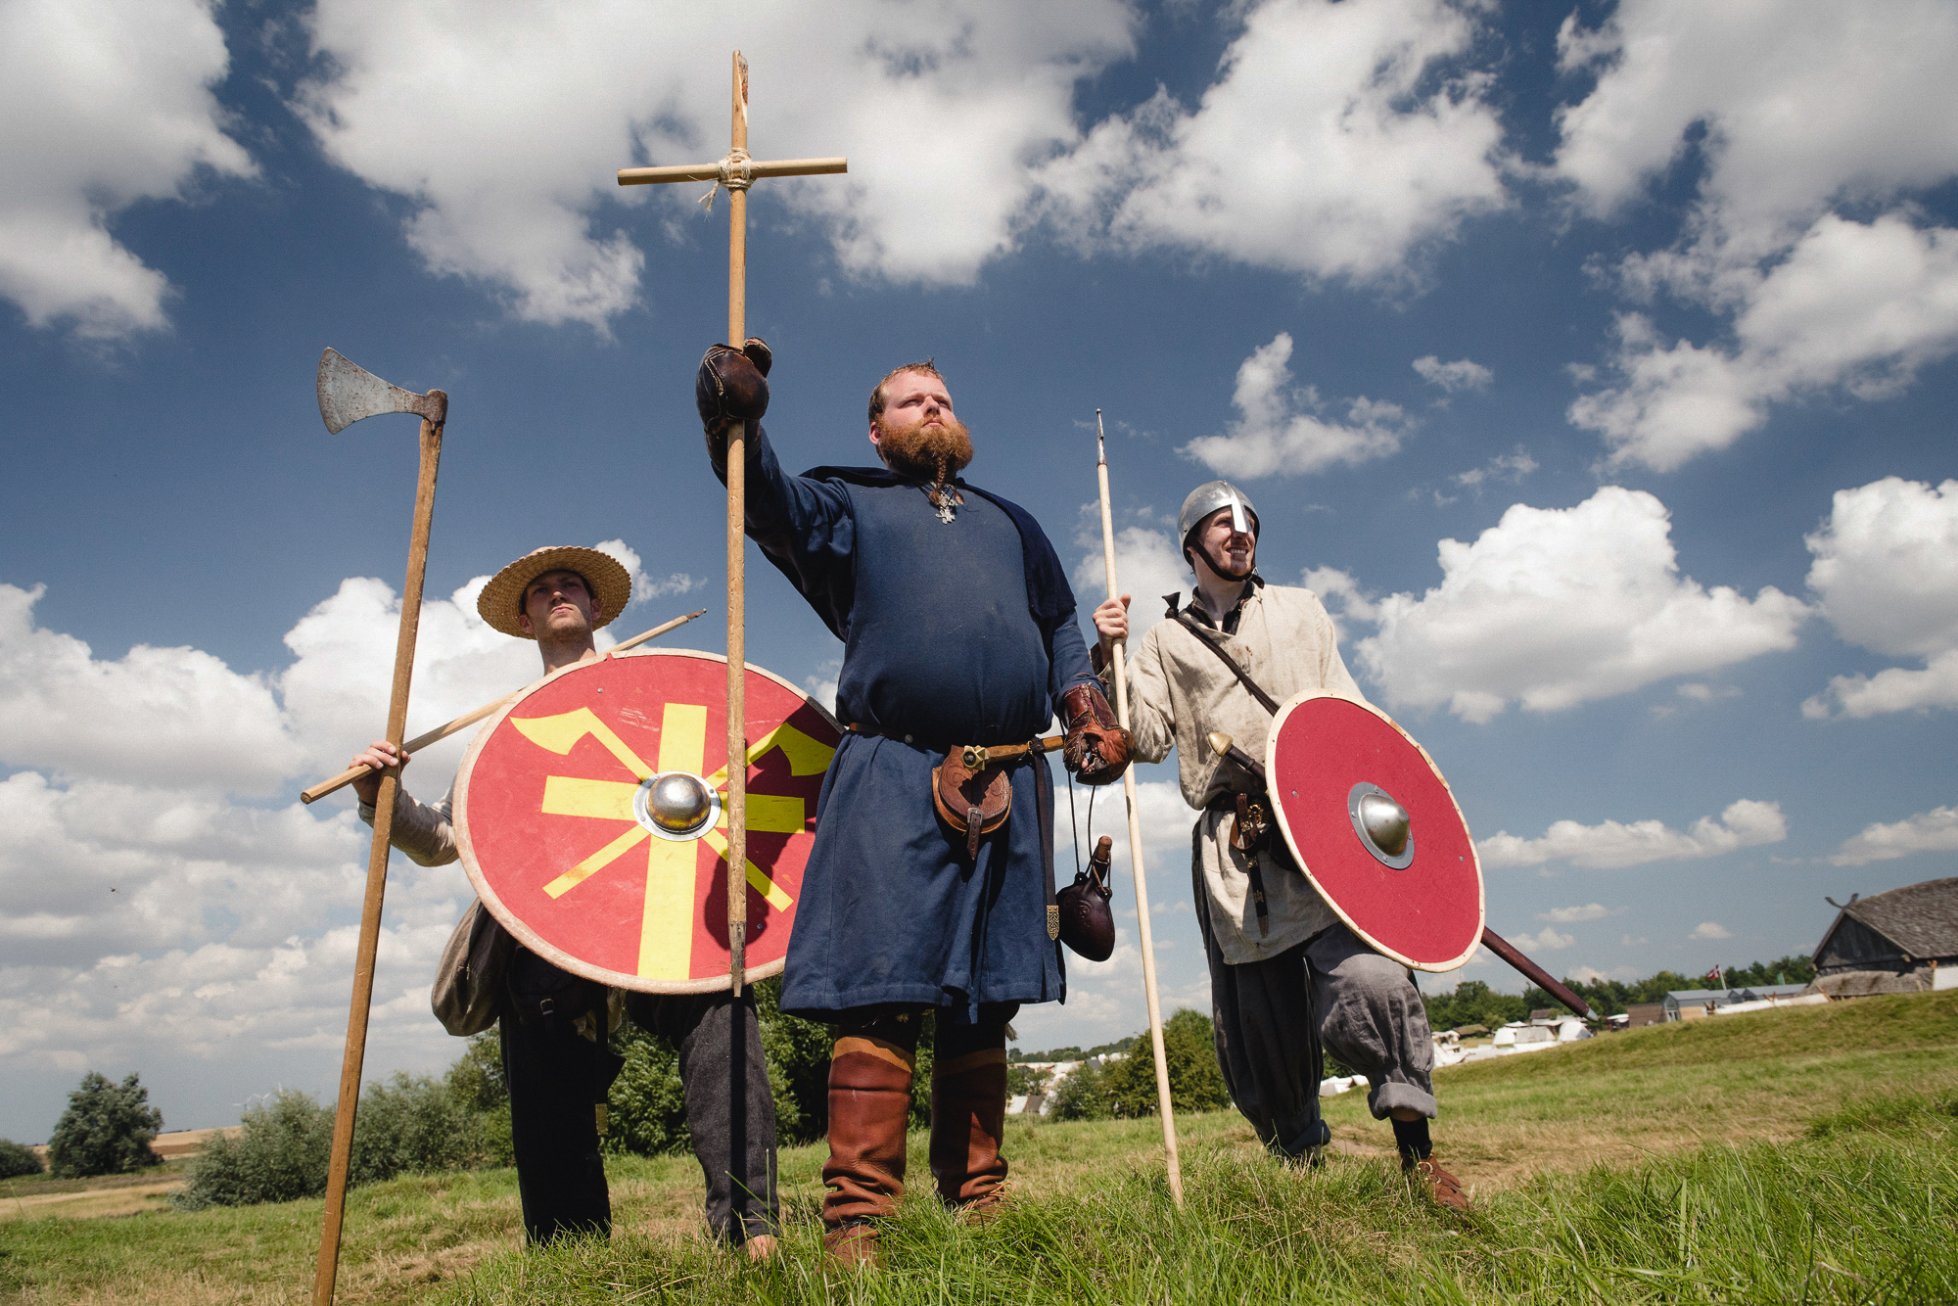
{"x":935,"y":457}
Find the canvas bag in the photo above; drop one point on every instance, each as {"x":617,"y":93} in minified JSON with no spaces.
{"x":469,"y":978}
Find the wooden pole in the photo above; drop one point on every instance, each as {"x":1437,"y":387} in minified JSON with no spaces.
{"x":467,"y":719}
{"x":736,"y":172}
{"x":1135,"y":838}
{"x":737,"y":559}
{"x":328,"y":1265}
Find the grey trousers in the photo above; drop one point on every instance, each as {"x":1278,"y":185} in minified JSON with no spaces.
{"x":1273,"y":1017}
{"x":732,"y":1130}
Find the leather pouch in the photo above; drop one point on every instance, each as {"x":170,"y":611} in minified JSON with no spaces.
{"x":974,"y":802}
{"x":470,"y":975}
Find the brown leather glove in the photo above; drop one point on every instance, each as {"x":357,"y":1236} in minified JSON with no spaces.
{"x":731,"y":386}
{"x":1096,"y":749}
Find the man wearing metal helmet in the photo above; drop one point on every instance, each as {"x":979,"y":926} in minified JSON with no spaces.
{"x":1286,"y":976}
{"x":552,"y":1024}
{"x":958,"y":627}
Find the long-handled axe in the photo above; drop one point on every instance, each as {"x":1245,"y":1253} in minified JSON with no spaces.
{"x":347,"y":394}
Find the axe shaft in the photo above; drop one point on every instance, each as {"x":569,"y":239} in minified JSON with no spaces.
{"x":467,"y":719}
{"x":1491,"y":940}
{"x":1173,"y":1165}
{"x":1536,"y":974}
{"x":327,"y":1268}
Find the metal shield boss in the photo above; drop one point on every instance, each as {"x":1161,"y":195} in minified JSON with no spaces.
{"x":590,"y":815}
{"x":1376,"y":830}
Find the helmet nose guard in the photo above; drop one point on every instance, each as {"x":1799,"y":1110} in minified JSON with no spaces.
{"x":1208,"y":498}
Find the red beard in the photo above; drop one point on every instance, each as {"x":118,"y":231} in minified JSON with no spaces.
{"x":931,"y":453}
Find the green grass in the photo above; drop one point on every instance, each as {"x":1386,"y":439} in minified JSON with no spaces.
{"x":1803,"y":1155}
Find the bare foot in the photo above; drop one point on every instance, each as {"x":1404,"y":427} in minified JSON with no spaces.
{"x":760,"y":1247}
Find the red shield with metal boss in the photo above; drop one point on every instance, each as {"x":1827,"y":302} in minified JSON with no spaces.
{"x":1376,"y":829}
{"x":590,"y":817}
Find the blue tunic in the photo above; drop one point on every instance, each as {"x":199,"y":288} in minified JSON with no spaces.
{"x":952,"y":634}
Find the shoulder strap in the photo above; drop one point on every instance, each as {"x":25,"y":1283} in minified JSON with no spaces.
{"x":1270,"y":703}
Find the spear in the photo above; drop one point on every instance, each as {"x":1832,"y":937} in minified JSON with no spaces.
{"x":1135,"y":836}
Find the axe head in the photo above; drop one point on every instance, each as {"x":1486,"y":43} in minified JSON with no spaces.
{"x":349,"y":392}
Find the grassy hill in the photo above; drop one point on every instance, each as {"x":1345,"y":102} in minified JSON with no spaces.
{"x":1805,"y":1154}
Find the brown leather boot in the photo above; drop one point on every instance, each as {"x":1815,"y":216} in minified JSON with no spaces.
{"x":1440,"y":1187}
{"x":968,"y":1116}
{"x":869,"y":1098}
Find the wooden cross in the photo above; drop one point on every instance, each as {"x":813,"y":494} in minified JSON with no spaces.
{"x":736,"y":172}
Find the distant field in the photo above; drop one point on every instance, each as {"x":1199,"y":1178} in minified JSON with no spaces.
{"x":1806,"y":1154}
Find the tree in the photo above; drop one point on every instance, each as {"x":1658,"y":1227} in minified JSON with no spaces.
{"x":18,"y":1159}
{"x":1025,"y":1079}
{"x":1081,"y":1094}
{"x":1196,"y":1083}
{"x":107,"y":1129}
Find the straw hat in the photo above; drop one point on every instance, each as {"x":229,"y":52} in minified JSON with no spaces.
{"x":501,"y":601}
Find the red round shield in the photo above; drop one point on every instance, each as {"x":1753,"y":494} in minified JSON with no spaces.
{"x":589,"y":815}
{"x":1376,"y":829}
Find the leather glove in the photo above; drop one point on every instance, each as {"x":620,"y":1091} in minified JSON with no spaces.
{"x":731,"y":386}
{"x":1096,"y":749}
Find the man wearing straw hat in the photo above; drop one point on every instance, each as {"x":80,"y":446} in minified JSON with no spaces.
{"x":1286,"y":976}
{"x":553,"y":1024}
{"x":958,"y":628}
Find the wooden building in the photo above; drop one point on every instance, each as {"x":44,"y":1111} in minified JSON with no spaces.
{"x":1901,"y":941}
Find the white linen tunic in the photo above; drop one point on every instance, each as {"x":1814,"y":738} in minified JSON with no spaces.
{"x":1180,"y":691}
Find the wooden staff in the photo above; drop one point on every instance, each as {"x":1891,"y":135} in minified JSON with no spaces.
{"x":467,"y":719}
{"x":1135,"y":836}
{"x":736,"y":172}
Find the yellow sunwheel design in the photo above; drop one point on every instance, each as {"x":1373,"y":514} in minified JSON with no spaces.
{"x":666,"y":923}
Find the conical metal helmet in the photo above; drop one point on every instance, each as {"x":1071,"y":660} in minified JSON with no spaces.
{"x":1208,"y":498}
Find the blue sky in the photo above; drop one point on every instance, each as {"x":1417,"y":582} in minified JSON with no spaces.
{"x":1594,"y":363}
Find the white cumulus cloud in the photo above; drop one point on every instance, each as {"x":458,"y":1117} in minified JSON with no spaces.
{"x":137,"y":718}
{"x":1554,"y":607}
{"x":1339,"y":140}
{"x":1590,"y":911}
{"x":503,"y":123}
{"x":102,"y":104}
{"x":1707,"y":930}
{"x":1280,"y":429}
{"x":1801,"y":236}
{"x":1885,"y":575}
{"x":1858,"y":305}
{"x":1935,"y":831}
{"x":1462,"y":374}
{"x":1613,"y":845}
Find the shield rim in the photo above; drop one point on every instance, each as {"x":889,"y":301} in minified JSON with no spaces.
{"x":521,"y":931}
{"x":1278,"y":720}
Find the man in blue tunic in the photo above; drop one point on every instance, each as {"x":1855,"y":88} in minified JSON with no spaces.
{"x":958,"y":628}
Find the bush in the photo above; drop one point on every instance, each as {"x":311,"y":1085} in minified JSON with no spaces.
{"x":18,"y":1159}
{"x":646,"y":1106}
{"x":798,"y":1067}
{"x":410,"y":1124}
{"x":107,"y":1129}
{"x":476,"y":1082}
{"x":279,"y":1156}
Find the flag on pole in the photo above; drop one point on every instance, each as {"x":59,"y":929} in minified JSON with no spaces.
{"x":1715,"y":978}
